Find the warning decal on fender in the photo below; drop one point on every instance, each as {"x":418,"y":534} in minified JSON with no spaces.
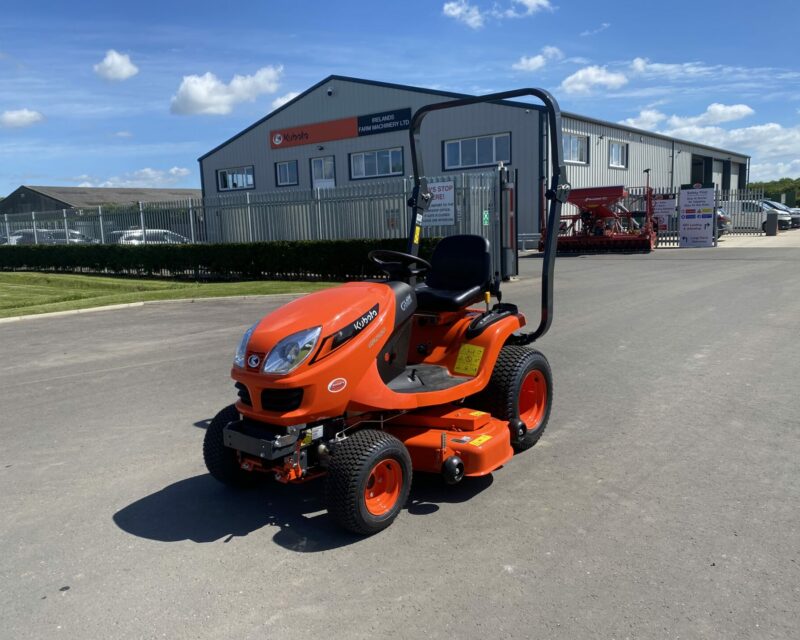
{"x":468,"y":360}
{"x":477,"y":442}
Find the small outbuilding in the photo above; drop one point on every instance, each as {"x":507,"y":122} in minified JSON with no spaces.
{"x":27,"y":199}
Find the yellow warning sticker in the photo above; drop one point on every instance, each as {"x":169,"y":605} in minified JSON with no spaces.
{"x":468,"y":360}
{"x":477,"y":442}
{"x":475,"y":414}
{"x":308,"y":438}
{"x":416,"y":235}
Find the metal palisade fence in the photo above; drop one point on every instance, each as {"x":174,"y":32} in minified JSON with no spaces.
{"x":372,"y":210}
{"x":740,"y":206}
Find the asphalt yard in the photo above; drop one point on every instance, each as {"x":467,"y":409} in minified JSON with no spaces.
{"x":662,"y":502}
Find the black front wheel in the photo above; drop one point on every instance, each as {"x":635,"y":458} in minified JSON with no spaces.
{"x":221,"y":461}
{"x":368,"y":481}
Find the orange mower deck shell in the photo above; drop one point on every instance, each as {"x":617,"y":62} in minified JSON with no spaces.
{"x":347,"y":378}
{"x":434,"y":434}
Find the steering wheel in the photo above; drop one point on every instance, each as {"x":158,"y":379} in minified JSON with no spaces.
{"x":397,"y":265}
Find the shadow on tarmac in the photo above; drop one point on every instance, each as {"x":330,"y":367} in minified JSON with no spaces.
{"x":202,"y":510}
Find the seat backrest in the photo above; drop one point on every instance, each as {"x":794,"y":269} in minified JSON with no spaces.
{"x":459,"y":263}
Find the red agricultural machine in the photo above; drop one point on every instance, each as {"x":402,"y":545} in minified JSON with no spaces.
{"x":603,"y":225}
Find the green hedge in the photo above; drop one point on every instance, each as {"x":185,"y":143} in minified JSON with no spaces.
{"x":300,"y":260}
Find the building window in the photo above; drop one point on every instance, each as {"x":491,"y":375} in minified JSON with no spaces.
{"x":477,"y":152}
{"x":374,"y":164}
{"x":618,"y":155}
{"x":286,"y":173}
{"x":235,"y":178}
{"x":576,"y":148}
{"x":323,"y":172}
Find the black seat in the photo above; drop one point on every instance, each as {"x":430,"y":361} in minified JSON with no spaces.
{"x":461,"y":272}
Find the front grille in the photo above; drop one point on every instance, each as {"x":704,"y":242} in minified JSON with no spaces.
{"x":281,"y":400}
{"x":244,"y":394}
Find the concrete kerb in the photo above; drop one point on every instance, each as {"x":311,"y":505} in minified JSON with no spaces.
{"x":115,"y":307}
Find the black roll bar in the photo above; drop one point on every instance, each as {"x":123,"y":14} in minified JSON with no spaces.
{"x":557,"y":193}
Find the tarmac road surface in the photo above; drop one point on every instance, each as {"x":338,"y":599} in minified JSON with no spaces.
{"x":662,"y":502}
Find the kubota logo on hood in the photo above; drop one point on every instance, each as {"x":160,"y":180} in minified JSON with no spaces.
{"x":336,"y":385}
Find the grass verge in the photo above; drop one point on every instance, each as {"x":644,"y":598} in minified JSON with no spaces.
{"x":31,"y":293}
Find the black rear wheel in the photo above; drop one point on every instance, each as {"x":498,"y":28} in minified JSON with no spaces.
{"x":368,"y":480}
{"x":520,"y":390}
{"x":221,"y":461}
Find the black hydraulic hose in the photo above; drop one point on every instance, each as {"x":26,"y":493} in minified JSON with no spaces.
{"x":556,"y":194}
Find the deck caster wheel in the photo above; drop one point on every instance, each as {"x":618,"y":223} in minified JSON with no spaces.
{"x":222,"y":462}
{"x":369,"y":477}
{"x":520,"y":391}
{"x":453,"y":470}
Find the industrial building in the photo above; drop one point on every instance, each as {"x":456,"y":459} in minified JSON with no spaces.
{"x":346,"y":131}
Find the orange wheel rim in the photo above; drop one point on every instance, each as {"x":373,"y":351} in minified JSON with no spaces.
{"x":533,"y":399}
{"x":383,"y":487}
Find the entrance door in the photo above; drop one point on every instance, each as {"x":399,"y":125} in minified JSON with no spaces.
{"x":323,"y":173}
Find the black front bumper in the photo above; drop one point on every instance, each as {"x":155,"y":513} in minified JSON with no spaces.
{"x":263,"y":441}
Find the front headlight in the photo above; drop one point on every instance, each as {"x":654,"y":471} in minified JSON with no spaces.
{"x":291,"y":351}
{"x":241,"y":350}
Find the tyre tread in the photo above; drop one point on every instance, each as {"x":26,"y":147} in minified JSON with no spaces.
{"x":342,"y":490}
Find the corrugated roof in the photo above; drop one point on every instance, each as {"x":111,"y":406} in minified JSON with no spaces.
{"x":451,"y":94}
{"x":95,"y":196}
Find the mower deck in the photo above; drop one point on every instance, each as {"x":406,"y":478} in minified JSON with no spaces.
{"x":437,"y":433}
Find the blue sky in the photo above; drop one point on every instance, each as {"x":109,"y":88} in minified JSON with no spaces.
{"x":130,"y":94}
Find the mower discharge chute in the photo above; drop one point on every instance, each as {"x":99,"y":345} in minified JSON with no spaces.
{"x":368,"y":382}
{"x":603,"y":225}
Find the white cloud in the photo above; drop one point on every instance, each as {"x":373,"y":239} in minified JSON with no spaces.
{"x":765,"y":171}
{"x":647,"y":119}
{"x":586,"y":79}
{"x":462,"y":11}
{"x":715,"y":113}
{"x":642,"y":66}
{"x":775,"y":149}
{"x":527,"y":8}
{"x":18,"y":118}
{"x":207,"y":94}
{"x":282,"y":100}
{"x":764,"y":141}
{"x":590,"y":32}
{"x":552,"y":53}
{"x":116,"y":66}
{"x":143,"y":178}
{"x":532,"y":63}
{"x":474,"y":17}
{"x":123,"y":134}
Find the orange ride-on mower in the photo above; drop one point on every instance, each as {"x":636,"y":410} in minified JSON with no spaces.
{"x":367,"y":382}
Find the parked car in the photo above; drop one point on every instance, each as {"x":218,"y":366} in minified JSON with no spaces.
{"x":152,"y":236}
{"x":75,"y":237}
{"x":751,"y":214}
{"x":795,"y":213}
{"x":29,"y":236}
{"x":724,"y":222}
